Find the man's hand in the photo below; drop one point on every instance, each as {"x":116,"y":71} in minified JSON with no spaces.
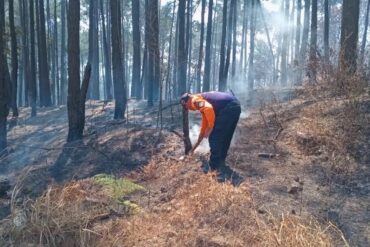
{"x":208,"y":132}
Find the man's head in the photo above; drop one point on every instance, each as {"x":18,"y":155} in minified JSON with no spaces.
{"x":186,"y":100}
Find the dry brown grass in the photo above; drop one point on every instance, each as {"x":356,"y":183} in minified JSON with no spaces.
{"x":199,"y":212}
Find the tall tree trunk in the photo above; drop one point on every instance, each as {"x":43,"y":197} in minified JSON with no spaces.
{"x":136,"y":42}
{"x":4,"y":83}
{"x":56,"y":91}
{"x":349,"y":36}
{"x":364,"y":37}
{"x":170,"y":59}
{"x":63,"y":71}
{"x":235,"y":21}
{"x":118,"y":75}
{"x":76,"y":95}
{"x":50,"y":52}
{"x":189,"y":41}
{"x":25,"y":47}
{"x":107,"y":56}
{"x":207,"y":60}
{"x":229,"y":41}
{"x":156,"y":52}
{"x":298,"y":30}
{"x":152,"y":43}
{"x":313,"y":43}
{"x":284,"y":76}
{"x":14,"y":54}
{"x":94,"y":49}
{"x":251,"y":52}
{"x":45,"y":94}
{"x":326,"y":31}
{"x":243,"y":51}
{"x":21,"y":61}
{"x":200,"y":57}
{"x":221,"y":82}
{"x":303,"y":52}
{"x":32,"y":84}
{"x":181,"y":50}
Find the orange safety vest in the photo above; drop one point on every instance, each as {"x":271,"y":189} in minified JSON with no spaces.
{"x":198,"y":103}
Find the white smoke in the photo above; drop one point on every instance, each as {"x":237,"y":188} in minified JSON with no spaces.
{"x":194,"y":134}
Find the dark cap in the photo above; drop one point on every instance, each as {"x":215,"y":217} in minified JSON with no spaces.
{"x":184,"y":98}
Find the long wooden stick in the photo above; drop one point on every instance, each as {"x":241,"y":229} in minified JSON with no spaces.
{"x":185,"y":128}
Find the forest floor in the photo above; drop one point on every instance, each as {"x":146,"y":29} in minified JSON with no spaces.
{"x":303,"y":183}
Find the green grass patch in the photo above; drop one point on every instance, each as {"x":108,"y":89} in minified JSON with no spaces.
{"x":117,"y":188}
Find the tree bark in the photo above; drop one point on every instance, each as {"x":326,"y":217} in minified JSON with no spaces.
{"x":349,"y":36}
{"x":303,"y":52}
{"x":207,"y":61}
{"x":221,"y":77}
{"x":94,"y":49}
{"x":76,"y":94}
{"x":118,"y":75}
{"x":284,"y":76}
{"x":313,"y":43}
{"x":200,"y":57}
{"x":229,"y":34}
{"x":44,"y":83}
{"x":298,"y":30}
{"x":14,"y":55}
{"x":364,"y":37}
{"x":181,"y":50}
{"x":326,"y":31}
{"x":251,"y":52}
{"x":235,"y":21}
{"x":136,"y":88}
{"x":32,"y":84}
{"x":107,"y":56}
{"x":56,"y":91}
{"x":4,"y":83}
{"x":63,"y":71}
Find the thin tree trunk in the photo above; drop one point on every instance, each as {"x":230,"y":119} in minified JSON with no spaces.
{"x":118,"y":74}
{"x":303,"y":52}
{"x":251,"y":52}
{"x":45,"y":94}
{"x":298,"y":30}
{"x":14,"y":54}
{"x":181,"y":50}
{"x":5,"y":89}
{"x":189,"y":42}
{"x":168,"y":90}
{"x":200,"y":58}
{"x":136,"y":41}
{"x":55,"y":58}
{"x":228,"y":51}
{"x":284,"y":55}
{"x":63,"y":70}
{"x":326,"y":31}
{"x":221,"y":82}
{"x":94,"y":49}
{"x":107,"y":56}
{"x":32,"y":85}
{"x":26,"y":58}
{"x":364,"y":37}
{"x":207,"y":61}
{"x":313,"y":43}
{"x":235,"y":21}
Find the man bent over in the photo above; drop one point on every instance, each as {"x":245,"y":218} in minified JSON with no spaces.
{"x":220,"y":115}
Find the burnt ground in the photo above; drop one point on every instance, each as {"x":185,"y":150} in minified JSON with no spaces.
{"x":286,"y":175}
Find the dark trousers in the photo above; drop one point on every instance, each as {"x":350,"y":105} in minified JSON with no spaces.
{"x":220,"y":138}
